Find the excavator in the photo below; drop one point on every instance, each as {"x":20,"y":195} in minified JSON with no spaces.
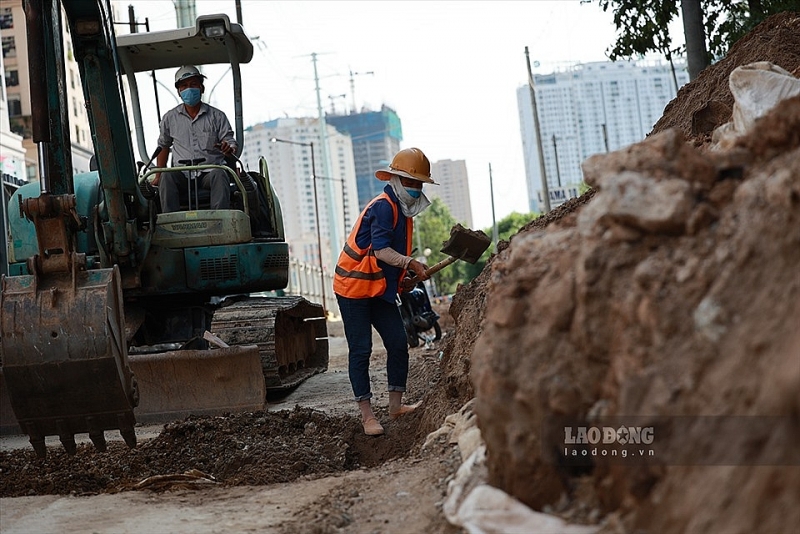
{"x":114,"y":313}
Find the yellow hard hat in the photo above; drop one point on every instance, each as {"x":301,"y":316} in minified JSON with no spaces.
{"x":409,"y":163}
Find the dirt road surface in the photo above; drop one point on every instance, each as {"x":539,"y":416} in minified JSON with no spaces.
{"x":385,"y":484}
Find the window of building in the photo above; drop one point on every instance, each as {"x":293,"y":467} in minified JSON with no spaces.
{"x":14,"y":107}
{"x":12,"y":78}
{"x":9,"y":46}
{"x":6,"y":18}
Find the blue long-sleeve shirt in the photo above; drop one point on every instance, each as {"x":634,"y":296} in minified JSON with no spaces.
{"x":377,"y":229}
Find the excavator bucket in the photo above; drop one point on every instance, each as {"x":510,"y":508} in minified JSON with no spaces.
{"x":178,"y":383}
{"x":64,"y":357}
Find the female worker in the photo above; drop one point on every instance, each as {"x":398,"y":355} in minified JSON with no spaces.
{"x":368,"y":277}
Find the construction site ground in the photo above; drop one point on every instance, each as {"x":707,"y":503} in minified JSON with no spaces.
{"x":302,"y":466}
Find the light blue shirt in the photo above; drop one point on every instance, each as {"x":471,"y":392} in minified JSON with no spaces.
{"x":195,"y":138}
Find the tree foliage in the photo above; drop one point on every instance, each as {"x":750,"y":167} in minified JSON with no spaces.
{"x":727,"y":21}
{"x":432,"y":229}
{"x":642,"y":25}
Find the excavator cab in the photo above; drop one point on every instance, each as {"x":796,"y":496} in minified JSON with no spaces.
{"x":115,"y":313}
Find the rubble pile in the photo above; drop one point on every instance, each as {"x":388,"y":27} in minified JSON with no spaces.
{"x":673,"y":292}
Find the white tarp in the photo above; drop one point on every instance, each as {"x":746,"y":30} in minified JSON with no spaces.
{"x":756,"y":88}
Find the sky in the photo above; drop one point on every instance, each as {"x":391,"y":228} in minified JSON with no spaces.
{"x":450,"y":69}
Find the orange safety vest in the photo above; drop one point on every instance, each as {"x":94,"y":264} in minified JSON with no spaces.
{"x":357,"y":274}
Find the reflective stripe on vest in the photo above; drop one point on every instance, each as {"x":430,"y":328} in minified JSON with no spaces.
{"x":357,"y":274}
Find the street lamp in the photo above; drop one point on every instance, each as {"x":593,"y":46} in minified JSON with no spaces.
{"x":344,"y":199}
{"x":316,"y":212}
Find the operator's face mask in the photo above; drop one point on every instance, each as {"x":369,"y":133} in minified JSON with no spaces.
{"x":190,"y":96}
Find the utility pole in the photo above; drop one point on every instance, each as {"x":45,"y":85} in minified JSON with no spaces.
{"x":545,"y":189}
{"x":494,"y":221}
{"x":555,"y":153}
{"x":333,"y":227}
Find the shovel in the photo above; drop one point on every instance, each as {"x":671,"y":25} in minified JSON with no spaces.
{"x":464,"y":244}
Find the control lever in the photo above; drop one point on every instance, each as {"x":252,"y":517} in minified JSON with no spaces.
{"x":148,"y":191}
{"x":156,"y":152}
{"x":192,"y":180}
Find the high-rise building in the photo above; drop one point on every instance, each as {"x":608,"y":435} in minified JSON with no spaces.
{"x":12,"y":164}
{"x":291,"y":172}
{"x":17,"y":79}
{"x":453,"y":188}
{"x":376,"y":137}
{"x":587,"y":109}
{"x":12,"y":152}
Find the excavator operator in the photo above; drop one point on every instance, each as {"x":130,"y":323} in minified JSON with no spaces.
{"x":196,"y":133}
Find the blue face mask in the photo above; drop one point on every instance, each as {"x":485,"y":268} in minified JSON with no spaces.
{"x":415,"y":193}
{"x":190,"y":96}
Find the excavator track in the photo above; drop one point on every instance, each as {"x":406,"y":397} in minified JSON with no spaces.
{"x":290,"y":333}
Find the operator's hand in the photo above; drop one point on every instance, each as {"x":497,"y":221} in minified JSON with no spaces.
{"x":155,"y":181}
{"x":225,"y":148}
{"x":419,"y":269}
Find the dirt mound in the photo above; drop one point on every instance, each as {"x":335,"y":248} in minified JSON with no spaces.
{"x":240,"y":449}
{"x":466,"y":312}
{"x":707,"y":102}
{"x":673,"y":294}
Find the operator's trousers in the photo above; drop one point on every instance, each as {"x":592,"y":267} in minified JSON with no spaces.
{"x":358,"y":318}
{"x":174,"y":191}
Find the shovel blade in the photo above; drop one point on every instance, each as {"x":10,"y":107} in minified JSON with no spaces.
{"x":465,"y":244}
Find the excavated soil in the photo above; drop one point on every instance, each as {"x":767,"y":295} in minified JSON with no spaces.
{"x":238,"y":449}
{"x":670,"y":289}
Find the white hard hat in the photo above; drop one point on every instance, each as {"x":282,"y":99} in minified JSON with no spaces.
{"x":187,"y":71}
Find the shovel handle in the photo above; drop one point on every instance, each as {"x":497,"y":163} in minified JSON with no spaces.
{"x":436,"y":268}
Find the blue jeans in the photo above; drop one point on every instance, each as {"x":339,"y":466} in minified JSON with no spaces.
{"x":358,"y":317}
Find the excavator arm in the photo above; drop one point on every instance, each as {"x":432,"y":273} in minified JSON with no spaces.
{"x":64,"y":350}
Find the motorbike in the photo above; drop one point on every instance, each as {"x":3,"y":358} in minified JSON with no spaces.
{"x":421,"y":323}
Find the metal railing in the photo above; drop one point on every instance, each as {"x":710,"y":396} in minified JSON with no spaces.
{"x":305,"y":280}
